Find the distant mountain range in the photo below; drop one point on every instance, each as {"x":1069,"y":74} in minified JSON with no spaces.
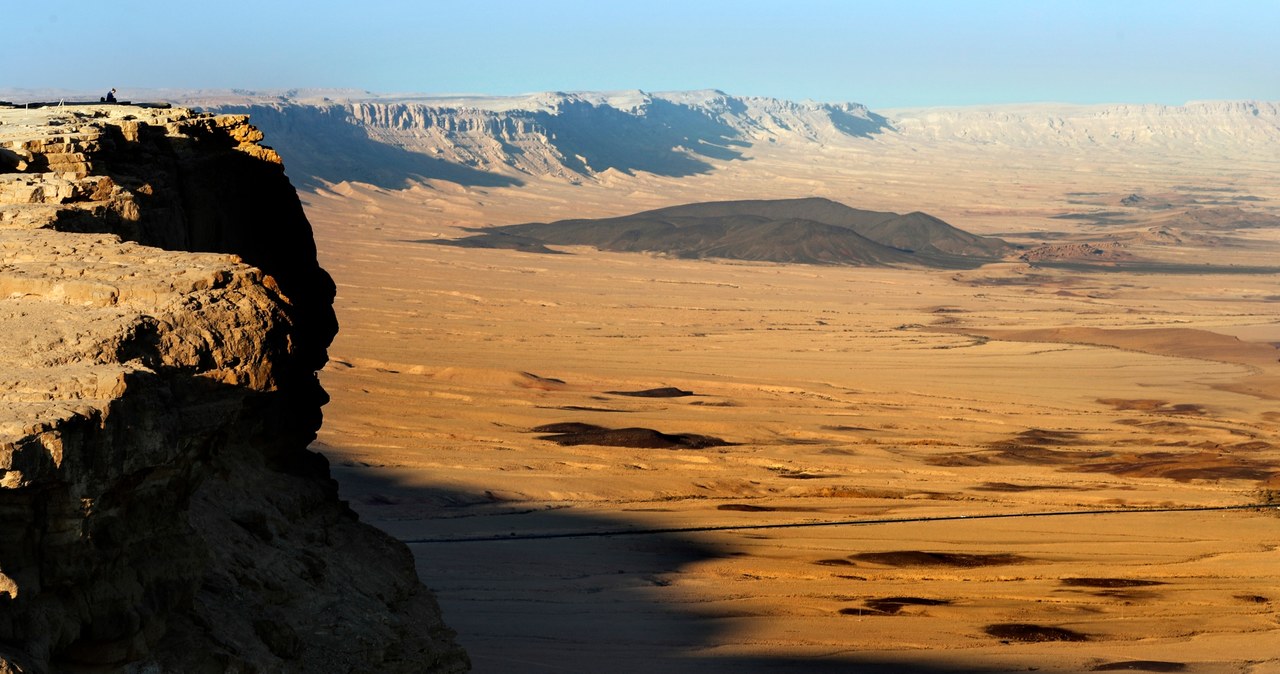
{"x":812,"y":231}
{"x":395,"y":140}
{"x":489,"y":141}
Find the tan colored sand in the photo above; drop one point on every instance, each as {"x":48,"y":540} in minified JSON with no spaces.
{"x":850,"y":394}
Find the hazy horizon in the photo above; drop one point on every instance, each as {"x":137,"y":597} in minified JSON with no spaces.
{"x":912,"y":54}
{"x":20,"y":95}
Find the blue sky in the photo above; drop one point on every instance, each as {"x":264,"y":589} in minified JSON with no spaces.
{"x":887,"y":53}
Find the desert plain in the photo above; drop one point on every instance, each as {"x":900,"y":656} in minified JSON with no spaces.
{"x":1012,"y":467}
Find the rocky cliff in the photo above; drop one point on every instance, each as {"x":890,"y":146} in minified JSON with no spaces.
{"x":164,"y":317}
{"x":569,"y":136}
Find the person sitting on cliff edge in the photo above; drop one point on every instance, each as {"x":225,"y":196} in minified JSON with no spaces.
{"x":111,"y":96}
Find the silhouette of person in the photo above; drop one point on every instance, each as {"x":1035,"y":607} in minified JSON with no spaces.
{"x":111,"y":95}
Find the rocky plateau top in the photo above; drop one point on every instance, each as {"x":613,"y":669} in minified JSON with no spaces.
{"x":164,"y":317}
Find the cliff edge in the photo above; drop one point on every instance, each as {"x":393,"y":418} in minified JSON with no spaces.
{"x":164,"y":317}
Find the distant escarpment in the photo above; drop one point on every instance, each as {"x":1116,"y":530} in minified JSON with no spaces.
{"x":809,"y":231}
{"x":164,"y":316}
{"x":491,"y":141}
{"x":572,"y":136}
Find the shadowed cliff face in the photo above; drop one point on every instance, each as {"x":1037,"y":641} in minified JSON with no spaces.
{"x":158,"y":505}
{"x":569,"y":136}
{"x":325,"y":144}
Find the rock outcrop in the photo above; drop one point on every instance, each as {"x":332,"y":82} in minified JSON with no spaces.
{"x":164,"y":316}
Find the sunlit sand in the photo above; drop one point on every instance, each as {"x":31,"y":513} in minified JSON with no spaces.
{"x":846,"y":395}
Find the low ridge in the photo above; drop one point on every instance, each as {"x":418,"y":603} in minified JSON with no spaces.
{"x":809,"y":231}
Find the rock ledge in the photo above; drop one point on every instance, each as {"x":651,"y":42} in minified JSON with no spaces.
{"x":164,"y":317}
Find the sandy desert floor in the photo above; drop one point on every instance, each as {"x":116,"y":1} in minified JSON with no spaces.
{"x":924,"y":430}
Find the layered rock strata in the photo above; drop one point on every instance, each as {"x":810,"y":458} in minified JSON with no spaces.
{"x":164,"y":317}
{"x":568,"y":136}
{"x":393,"y":141}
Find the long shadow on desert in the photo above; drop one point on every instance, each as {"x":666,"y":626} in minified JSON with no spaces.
{"x":578,"y":593}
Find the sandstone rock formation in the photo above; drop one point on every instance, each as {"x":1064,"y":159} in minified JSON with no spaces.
{"x":164,"y":316}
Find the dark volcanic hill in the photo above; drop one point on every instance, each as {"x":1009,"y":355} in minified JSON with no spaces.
{"x":810,"y":231}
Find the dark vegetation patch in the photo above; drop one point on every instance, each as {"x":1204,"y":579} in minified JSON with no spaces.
{"x":550,"y":380}
{"x":497,"y":241}
{"x":1034,"y":447}
{"x":892,"y":605}
{"x":718,"y":403}
{"x":1200,"y":461}
{"x":584,"y":408}
{"x":1185,"y":466}
{"x":663,"y":392}
{"x":1041,"y":437}
{"x":1152,"y":406}
{"x":1128,"y":596}
{"x":577,"y":433}
{"x":746,"y":508}
{"x":531,"y":380}
{"x":1100,"y":216}
{"x":844,"y":491}
{"x":834,"y":562}
{"x":751,"y":508}
{"x":1071,"y":452}
{"x":1141,"y":666}
{"x":802,"y":475}
{"x":1033,"y":633}
{"x":1011,"y":453}
{"x":1018,"y":488}
{"x":1110,"y":582}
{"x":799,"y":441}
{"x":1160,"y":426}
{"x":567,"y":427}
{"x":1030,"y":279}
{"x":908,"y":558}
{"x":1252,"y":598}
